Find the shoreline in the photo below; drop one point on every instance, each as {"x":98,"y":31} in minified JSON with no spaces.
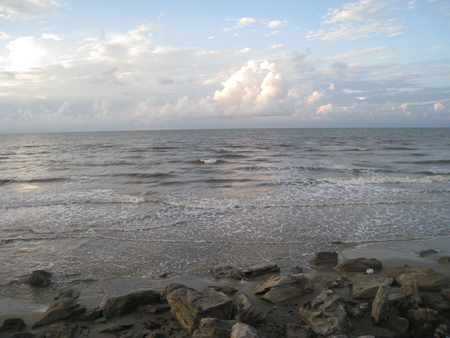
{"x":95,"y":293}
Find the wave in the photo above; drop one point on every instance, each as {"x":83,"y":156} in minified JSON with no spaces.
{"x":34,"y":180}
{"x":387,"y":179}
{"x":207,"y":161}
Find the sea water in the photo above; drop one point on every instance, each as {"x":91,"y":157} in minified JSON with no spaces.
{"x":102,"y":205}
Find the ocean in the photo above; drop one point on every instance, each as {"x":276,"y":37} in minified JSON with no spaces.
{"x":100,"y":205}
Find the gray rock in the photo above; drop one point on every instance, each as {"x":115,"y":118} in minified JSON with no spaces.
{"x":226,"y":289}
{"x":386,"y":304}
{"x":21,"y":335}
{"x":116,"y":328}
{"x":190,"y":306}
{"x":13,"y":324}
{"x":170,"y":288}
{"x":444,"y":260}
{"x":330,"y":281}
{"x":89,"y":316}
{"x":296,"y":270}
{"x":412,"y":290}
{"x":61,"y":309}
{"x":295,"y":330}
{"x":247,"y":311}
{"x":325,"y":258}
{"x":40,"y":278}
{"x":59,"y":331}
{"x":262,"y":269}
{"x":358,"y":265}
{"x":153,"y":309}
{"x":281,"y":288}
{"x":366,"y":286}
{"x":435,"y":303}
{"x":427,"y":279}
{"x":427,"y":252}
{"x":241,"y":330}
{"x":215,"y":328}
{"x":122,"y":305}
{"x":325,"y":315}
{"x":445,"y":293}
{"x":227,"y":271}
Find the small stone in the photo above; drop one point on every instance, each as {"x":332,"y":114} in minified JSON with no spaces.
{"x":13,"y":324}
{"x":40,"y":278}
{"x":296,"y":270}
{"x":427,"y":252}
{"x":444,"y":260}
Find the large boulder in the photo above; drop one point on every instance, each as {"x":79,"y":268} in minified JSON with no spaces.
{"x":13,"y":324}
{"x":358,"y":265}
{"x":385,"y":308}
{"x":247,"y":311}
{"x":427,"y":279}
{"x":190,"y":306}
{"x":262,"y":269}
{"x":61,"y":309}
{"x":227,"y":271}
{"x":325,"y":315}
{"x":123,"y":305}
{"x":281,"y":288}
{"x":366,"y":286}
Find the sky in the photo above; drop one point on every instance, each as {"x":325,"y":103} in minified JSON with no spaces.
{"x":69,"y":65}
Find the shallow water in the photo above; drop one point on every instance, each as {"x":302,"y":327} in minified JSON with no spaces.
{"x":143,"y":203}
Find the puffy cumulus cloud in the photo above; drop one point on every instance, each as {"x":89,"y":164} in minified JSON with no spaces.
{"x":27,"y":8}
{"x":257,"y":89}
{"x":439,"y":106}
{"x":323,"y":110}
{"x":25,"y":52}
{"x":362,"y":19}
{"x":277,"y":23}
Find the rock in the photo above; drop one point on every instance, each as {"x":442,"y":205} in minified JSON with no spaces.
{"x":262,"y":269}
{"x":122,"y":305}
{"x":217,"y":328}
{"x":156,"y":334}
{"x":325,"y":258}
{"x":294,"y":330}
{"x":330,"y":281}
{"x":358,"y":265}
{"x":89,"y":316}
{"x":40,"y":278}
{"x":13,"y":324}
{"x":69,"y":293}
{"x":385,"y":308}
{"x":247,"y":311}
{"x":325,"y":315}
{"x":61,"y":309}
{"x":226,"y":289}
{"x":445,"y":293}
{"x":21,"y":335}
{"x":278,"y":289}
{"x":296,"y":270}
{"x":412,"y":290}
{"x":366,"y":286}
{"x":241,"y":330}
{"x":427,"y":279}
{"x":227,"y":271}
{"x":170,"y":288}
{"x":427,"y":252}
{"x":59,"y":331}
{"x":190,"y":306}
{"x":444,"y":260}
{"x":432,"y":302}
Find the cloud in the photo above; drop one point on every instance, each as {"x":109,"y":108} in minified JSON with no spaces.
{"x":4,"y":36}
{"x":354,"y":53}
{"x":25,"y":52}
{"x":277,"y":23}
{"x":27,"y":8}
{"x":323,"y":110}
{"x":362,"y":19}
{"x":439,"y":106}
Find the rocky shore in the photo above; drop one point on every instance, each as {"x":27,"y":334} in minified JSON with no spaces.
{"x":354,"y":298}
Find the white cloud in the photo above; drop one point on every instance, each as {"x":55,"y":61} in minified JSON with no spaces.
{"x":4,"y":36}
{"x":28,"y":8}
{"x":314,"y":97}
{"x":25,"y":52}
{"x":323,"y":110}
{"x":277,"y":23}
{"x":362,"y":19}
{"x":354,"y":53}
{"x":439,"y":106}
{"x":64,"y":108}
